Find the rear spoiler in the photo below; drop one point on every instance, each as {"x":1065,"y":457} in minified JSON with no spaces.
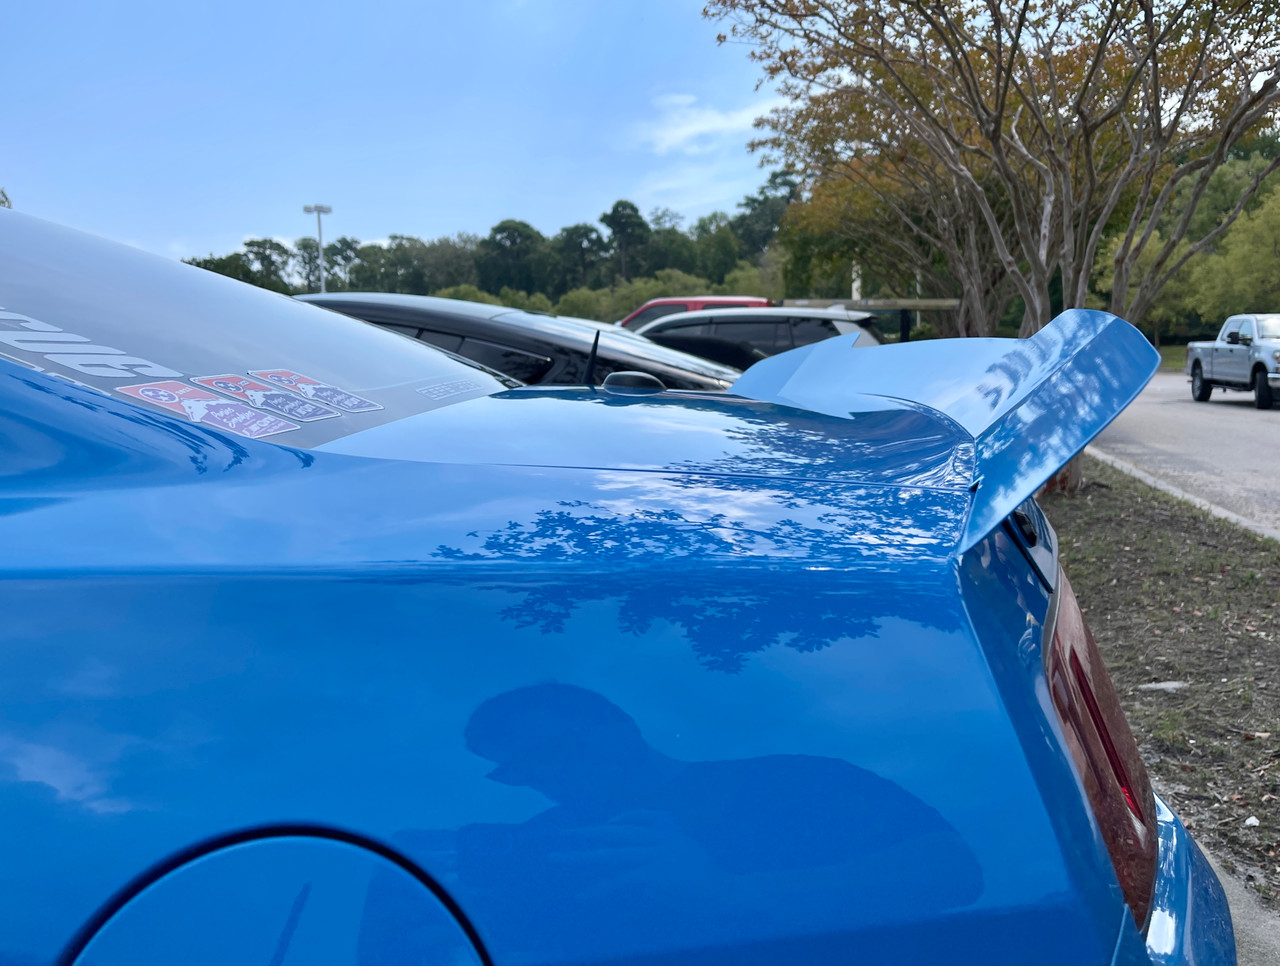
{"x":1030,"y":405}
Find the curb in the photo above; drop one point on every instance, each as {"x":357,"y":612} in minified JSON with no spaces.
{"x":1212,"y":509}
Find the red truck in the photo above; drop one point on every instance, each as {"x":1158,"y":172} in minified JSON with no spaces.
{"x":656,"y":308}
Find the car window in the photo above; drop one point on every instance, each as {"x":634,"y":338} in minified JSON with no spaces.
{"x":442,"y":340}
{"x":525,"y":366}
{"x":657,"y":312}
{"x":207,"y":350}
{"x":410,"y":330}
{"x":685,"y":328}
{"x":1232,"y":325}
{"x":1269,"y":327}
{"x":1246,"y":329}
{"x":807,"y":330}
{"x":768,"y":337}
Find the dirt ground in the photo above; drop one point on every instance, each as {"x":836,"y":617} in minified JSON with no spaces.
{"x":1186,"y":611}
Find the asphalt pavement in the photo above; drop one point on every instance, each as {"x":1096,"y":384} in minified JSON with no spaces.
{"x":1225,"y":455}
{"x":1223,"y":452}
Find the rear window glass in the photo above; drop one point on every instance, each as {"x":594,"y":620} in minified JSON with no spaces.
{"x":206,"y":349}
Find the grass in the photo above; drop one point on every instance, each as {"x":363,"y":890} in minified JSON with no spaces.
{"x":1173,"y":357}
{"x":1173,"y":594}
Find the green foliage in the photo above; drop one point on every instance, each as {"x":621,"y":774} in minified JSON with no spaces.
{"x":307,"y":258}
{"x":762,"y":212}
{"x":764,"y":279}
{"x":537,"y":302}
{"x":513,"y":255}
{"x":585,"y":303}
{"x":627,"y":230}
{"x":1244,"y":275}
{"x":578,"y":271}
{"x":468,"y":293}
{"x":717,"y":253}
{"x":236,"y":265}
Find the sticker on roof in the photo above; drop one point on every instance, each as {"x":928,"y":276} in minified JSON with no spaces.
{"x":266,"y":397}
{"x":314,"y":389}
{"x":455,"y":387}
{"x":201,"y":406}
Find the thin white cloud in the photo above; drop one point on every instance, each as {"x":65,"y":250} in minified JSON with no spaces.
{"x":684,"y":126}
{"x":694,"y":188}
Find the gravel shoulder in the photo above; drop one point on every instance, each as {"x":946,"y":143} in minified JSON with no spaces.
{"x":1186,"y":610}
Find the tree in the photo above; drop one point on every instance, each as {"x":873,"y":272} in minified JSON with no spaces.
{"x":450,"y":261}
{"x":1244,"y":276}
{"x":906,"y":239}
{"x":339,"y":256}
{"x":370,"y":271}
{"x":1055,"y":124}
{"x":236,"y":265}
{"x":579,"y":249}
{"x":762,"y":212}
{"x":669,"y":248}
{"x":271,"y":262}
{"x":514,"y":255}
{"x":627,"y":230}
{"x":717,"y":246}
{"x":307,"y":256}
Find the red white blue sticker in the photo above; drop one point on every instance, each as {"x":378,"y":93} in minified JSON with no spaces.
{"x":201,"y":406}
{"x":314,"y":389}
{"x":263,"y":396}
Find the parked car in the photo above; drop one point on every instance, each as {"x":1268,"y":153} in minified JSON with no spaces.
{"x":1245,"y":356}
{"x":536,"y":349}
{"x":743,"y":337}
{"x":322,"y":646}
{"x":656,"y":308}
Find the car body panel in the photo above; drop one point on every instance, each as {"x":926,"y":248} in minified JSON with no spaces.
{"x":1029,"y":404}
{"x":674,"y":679}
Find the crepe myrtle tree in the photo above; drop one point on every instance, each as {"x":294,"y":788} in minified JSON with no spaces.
{"x":1061,"y":128}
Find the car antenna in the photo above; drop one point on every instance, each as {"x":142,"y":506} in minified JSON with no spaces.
{"x":591,"y":361}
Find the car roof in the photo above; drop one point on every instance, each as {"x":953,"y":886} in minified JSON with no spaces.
{"x":578,"y":334}
{"x":461,"y":307}
{"x":668,"y":299}
{"x":762,"y":312}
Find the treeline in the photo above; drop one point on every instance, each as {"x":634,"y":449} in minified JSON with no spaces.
{"x":837,"y":225}
{"x":583,"y":270}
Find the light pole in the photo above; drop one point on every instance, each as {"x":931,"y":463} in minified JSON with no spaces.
{"x":319,"y":210}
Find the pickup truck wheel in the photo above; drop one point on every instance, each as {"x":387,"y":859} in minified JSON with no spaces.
{"x":1262,"y":397}
{"x":1200,"y":389}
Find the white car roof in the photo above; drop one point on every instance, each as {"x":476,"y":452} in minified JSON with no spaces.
{"x":835,"y":313}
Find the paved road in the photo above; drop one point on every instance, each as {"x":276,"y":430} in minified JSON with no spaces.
{"x":1223,"y":451}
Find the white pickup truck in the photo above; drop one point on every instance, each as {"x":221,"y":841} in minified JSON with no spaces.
{"x":1246,"y":356}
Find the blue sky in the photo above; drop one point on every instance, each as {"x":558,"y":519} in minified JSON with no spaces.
{"x":186,"y":127}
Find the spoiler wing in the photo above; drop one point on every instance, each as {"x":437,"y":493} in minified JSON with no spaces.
{"x":1029,"y":404}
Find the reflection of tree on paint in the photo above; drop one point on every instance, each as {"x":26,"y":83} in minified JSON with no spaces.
{"x":727,"y":613}
{"x":708,"y":850}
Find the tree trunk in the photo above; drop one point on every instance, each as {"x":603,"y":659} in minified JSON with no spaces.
{"x":1067,"y":480}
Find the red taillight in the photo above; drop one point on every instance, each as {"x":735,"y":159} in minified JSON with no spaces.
{"x":1104,"y":751}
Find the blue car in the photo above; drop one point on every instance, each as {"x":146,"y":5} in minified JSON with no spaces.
{"x":321,"y":646}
